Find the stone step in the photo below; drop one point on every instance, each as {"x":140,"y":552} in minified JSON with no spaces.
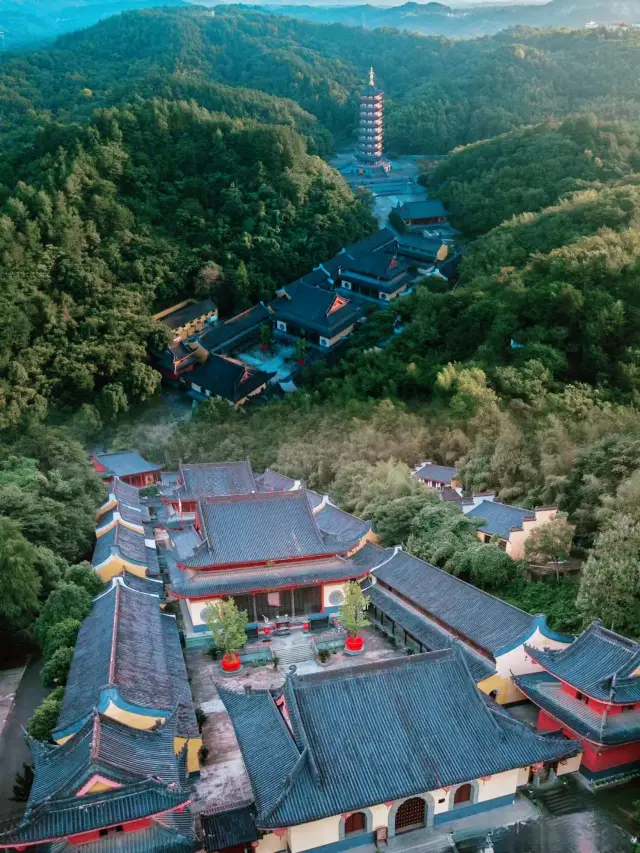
{"x":294,"y":654}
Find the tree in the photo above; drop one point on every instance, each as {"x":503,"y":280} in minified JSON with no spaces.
{"x":23,"y":784}
{"x":300,"y":349}
{"x":227,"y":625}
{"x":19,"y":581}
{"x":610,"y":582}
{"x":207,"y":280}
{"x":266,"y":335}
{"x":61,"y":634}
{"x":45,"y":717}
{"x":85,"y":576}
{"x":486,"y":565}
{"x":56,"y":668}
{"x":353,"y":608}
{"x":67,"y":601}
{"x":550,"y":541}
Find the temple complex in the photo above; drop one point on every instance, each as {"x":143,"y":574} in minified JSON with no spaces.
{"x":415,"y":739}
{"x":435,"y":750}
{"x":590,"y":691}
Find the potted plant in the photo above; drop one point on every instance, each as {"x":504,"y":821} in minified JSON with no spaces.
{"x":301,"y":349}
{"x":227,"y":625}
{"x":265,"y":336}
{"x":352,"y":617}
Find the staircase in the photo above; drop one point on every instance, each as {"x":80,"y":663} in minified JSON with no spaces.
{"x":561,"y":799}
{"x":296,"y":652}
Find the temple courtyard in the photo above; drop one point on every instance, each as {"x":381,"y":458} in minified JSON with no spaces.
{"x":223,"y":779}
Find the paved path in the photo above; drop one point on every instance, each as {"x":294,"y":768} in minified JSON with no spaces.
{"x":13,"y":750}
{"x":9,"y":681}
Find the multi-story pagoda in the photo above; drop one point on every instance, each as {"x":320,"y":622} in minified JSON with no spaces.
{"x":370,"y":154}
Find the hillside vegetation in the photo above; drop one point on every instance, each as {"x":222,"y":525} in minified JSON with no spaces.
{"x":441,"y":93}
{"x":111,"y":218}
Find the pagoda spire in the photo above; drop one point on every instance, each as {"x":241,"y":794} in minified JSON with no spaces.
{"x":370,"y":134}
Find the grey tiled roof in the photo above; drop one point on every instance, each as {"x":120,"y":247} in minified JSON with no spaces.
{"x":188,"y":313}
{"x":500,"y":518}
{"x":187,"y":725}
{"x":437,"y":473}
{"x":148,"y":585}
{"x":272,"y":481}
{"x":599,"y":663}
{"x":217,"y":337}
{"x":230,"y":828}
{"x":227,"y":378}
{"x":422,"y":209}
{"x":107,"y":747}
{"x":215,"y":479}
{"x":431,"y":635}
{"x":546,"y":691}
{"x":261,"y":527}
{"x":282,"y":576}
{"x":330,"y":519}
{"x":122,"y":541}
{"x":123,"y":644}
{"x":309,"y":308}
{"x":125,"y":493}
{"x":126,"y":463}
{"x":59,"y":818}
{"x":487,"y":621}
{"x":158,"y":838}
{"x":426,"y":725}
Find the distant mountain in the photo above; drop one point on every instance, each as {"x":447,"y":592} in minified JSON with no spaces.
{"x":467,"y":22}
{"x":31,"y":21}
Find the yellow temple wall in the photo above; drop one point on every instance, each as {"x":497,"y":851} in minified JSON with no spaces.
{"x":130,"y":718}
{"x":516,"y":662}
{"x":193,"y":746}
{"x":272,"y":843}
{"x":327,"y":831}
{"x":116,"y":565}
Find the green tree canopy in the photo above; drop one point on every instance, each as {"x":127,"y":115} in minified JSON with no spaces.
{"x":610,"y":583}
{"x":67,"y":601}
{"x":353,"y":608}
{"x":227,"y":625}
{"x":19,"y":581}
{"x":45,"y":717}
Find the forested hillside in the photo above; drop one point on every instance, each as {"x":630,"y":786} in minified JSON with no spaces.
{"x":485,"y":183}
{"x":112,"y":218}
{"x":440,"y":93}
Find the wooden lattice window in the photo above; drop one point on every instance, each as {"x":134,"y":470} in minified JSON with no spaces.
{"x":410,"y":815}
{"x":355,"y":823}
{"x":463,"y":795}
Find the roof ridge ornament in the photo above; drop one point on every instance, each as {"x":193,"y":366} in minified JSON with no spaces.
{"x":372,"y":77}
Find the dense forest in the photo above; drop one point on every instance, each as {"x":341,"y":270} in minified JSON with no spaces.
{"x":440,"y":93}
{"x":165,"y":154}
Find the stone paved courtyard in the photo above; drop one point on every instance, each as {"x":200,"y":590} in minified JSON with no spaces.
{"x":223,"y":779}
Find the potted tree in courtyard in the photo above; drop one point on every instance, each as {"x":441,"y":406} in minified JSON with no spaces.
{"x":227,"y":625}
{"x":265,"y":336}
{"x":352,"y":617}
{"x":301,"y":349}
